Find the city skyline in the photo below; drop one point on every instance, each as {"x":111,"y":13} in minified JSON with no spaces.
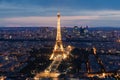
{"x":93,"y":13}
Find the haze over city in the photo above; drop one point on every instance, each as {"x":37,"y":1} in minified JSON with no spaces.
{"x":94,"y":13}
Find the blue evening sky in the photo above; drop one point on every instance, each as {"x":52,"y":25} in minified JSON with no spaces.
{"x":73,"y":12}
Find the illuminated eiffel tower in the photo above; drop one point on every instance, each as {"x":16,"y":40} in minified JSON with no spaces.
{"x":58,"y":52}
{"x":58,"y":48}
{"x":57,"y":56}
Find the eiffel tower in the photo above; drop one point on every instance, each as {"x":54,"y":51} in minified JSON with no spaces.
{"x":57,"y":56}
{"x":58,"y":52}
{"x":58,"y":48}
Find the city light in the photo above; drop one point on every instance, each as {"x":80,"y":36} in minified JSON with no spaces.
{"x":78,"y":52}
{"x":2,"y":77}
{"x":118,"y":40}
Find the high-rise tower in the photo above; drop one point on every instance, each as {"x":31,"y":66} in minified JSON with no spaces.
{"x":58,"y":48}
{"x":57,"y":56}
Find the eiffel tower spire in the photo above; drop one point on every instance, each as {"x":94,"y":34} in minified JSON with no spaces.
{"x":58,"y":48}
{"x":58,"y":37}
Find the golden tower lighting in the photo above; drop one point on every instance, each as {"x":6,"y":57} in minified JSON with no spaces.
{"x":58,"y":48}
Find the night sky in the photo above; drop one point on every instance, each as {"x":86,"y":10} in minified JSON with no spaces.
{"x":94,"y":13}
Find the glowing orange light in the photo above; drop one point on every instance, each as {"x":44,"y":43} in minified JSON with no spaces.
{"x":51,"y":57}
{"x":118,"y":40}
{"x":94,"y":50}
{"x":64,"y":56}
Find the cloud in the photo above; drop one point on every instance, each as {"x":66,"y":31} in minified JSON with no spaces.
{"x":24,"y":8}
{"x":93,"y":18}
{"x":76,"y":4}
{"x":74,"y":12}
